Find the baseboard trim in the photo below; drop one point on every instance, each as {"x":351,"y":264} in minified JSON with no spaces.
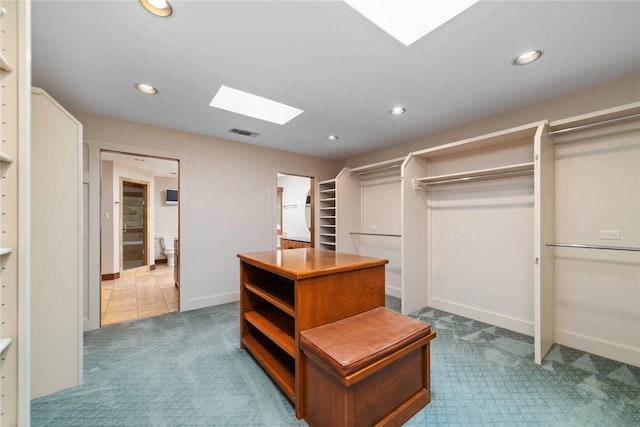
{"x":394,"y":292}
{"x":111,"y":276}
{"x":497,"y":319}
{"x":152,"y":267}
{"x":208,"y":301}
{"x":621,"y":353}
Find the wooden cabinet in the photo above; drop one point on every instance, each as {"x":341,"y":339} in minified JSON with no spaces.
{"x":294,"y":243}
{"x":284,"y":292}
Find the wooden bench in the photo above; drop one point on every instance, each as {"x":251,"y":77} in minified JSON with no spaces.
{"x":369,"y":369}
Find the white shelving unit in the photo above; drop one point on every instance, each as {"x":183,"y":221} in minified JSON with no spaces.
{"x":328,"y":221}
{"x":369,"y":207}
{"x":11,"y":119}
{"x":467,"y":207}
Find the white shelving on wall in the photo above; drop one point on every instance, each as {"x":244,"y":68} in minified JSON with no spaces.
{"x":597,"y":291}
{"x":369,"y":207}
{"x":12,"y":337}
{"x":327,"y":224}
{"x":474,"y":215}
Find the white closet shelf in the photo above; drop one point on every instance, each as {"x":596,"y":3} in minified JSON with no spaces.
{"x":375,"y":167}
{"x":518,"y":169}
{"x":4,"y":344}
{"x":622,"y":112}
{"x":5,"y":251}
{"x":5,"y":158}
{"x":4,"y":64}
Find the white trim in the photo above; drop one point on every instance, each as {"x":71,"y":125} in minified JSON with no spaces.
{"x":210,"y":300}
{"x":494,"y":319}
{"x":95,"y":148}
{"x":610,"y":350}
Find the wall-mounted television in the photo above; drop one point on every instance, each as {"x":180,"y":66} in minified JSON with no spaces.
{"x":172,"y":197}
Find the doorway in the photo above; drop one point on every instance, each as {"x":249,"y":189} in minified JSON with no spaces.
{"x":133,"y":224}
{"x":139,"y":235}
{"x":294,"y":211}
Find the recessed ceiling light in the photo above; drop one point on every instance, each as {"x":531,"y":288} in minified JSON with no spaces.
{"x":247,"y":104}
{"x":145,"y":88}
{"x":397,"y":111}
{"x":409,"y":20}
{"x":332,"y":137}
{"x":528,"y":57}
{"x":157,"y":7}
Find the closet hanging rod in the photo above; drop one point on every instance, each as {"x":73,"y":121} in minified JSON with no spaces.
{"x":476,"y":178}
{"x":609,"y":248}
{"x":375,"y":170}
{"x":376,"y":234}
{"x":589,"y":125}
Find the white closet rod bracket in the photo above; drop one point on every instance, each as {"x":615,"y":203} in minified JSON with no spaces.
{"x":608,"y":248}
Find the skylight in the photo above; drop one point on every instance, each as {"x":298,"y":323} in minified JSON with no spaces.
{"x":247,"y":104}
{"x":409,"y":20}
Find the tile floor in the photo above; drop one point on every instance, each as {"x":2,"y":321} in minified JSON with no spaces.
{"x":139,"y":293}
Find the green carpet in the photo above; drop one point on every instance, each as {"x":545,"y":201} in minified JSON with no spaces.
{"x":186,"y":369}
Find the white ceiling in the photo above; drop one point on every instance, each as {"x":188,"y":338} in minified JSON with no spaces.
{"x":326,"y":59}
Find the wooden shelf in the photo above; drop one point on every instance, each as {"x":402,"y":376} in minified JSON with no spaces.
{"x":281,"y":298}
{"x":377,"y":167}
{"x":272,"y":365}
{"x":275,"y":325}
{"x":286,"y":291}
{"x":489,"y":173}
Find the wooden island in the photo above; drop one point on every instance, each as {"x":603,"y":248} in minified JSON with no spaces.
{"x":284,"y":292}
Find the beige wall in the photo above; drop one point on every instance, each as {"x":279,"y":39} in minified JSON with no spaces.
{"x":227,"y":192}
{"x":619,"y":92}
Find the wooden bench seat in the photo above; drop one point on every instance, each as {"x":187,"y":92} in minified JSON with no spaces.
{"x":369,"y":369}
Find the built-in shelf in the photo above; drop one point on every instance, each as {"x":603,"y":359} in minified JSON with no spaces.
{"x":5,"y":158}
{"x":4,"y":64}
{"x":4,"y":344}
{"x":380,"y":166}
{"x":133,"y":243}
{"x":5,"y":251}
{"x":480,"y":174}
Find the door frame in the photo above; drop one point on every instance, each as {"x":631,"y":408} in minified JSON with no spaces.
{"x":313,"y":178}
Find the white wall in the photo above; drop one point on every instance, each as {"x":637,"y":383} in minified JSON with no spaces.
{"x":294,"y":195}
{"x":228,"y":200}
{"x":110,"y":263}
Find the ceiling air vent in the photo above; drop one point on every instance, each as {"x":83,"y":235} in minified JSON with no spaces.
{"x":244,"y":132}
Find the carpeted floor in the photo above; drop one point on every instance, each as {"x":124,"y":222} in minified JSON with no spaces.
{"x":186,"y":369}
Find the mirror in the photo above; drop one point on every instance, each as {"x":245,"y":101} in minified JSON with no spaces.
{"x":293,"y":210}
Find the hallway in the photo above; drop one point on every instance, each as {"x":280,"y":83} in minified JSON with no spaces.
{"x":139,"y":293}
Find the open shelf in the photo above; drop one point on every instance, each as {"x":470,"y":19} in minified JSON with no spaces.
{"x":490,"y":173}
{"x":275,"y":325}
{"x":280,"y":369}
{"x":4,"y":64}
{"x":5,"y":251}
{"x":4,"y":344}
{"x":280,"y":296}
{"x":5,"y":158}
